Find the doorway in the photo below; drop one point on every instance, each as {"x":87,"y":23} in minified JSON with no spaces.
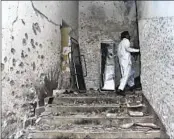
{"x":107,"y":73}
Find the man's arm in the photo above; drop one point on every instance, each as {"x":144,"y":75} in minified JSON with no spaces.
{"x":128,"y":48}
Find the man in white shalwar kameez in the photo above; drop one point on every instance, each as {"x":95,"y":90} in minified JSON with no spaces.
{"x":124,"y":56}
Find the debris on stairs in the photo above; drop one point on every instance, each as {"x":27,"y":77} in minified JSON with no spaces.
{"x":94,"y":115}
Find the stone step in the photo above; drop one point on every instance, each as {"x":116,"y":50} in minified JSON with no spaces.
{"x":92,"y":120}
{"x":92,"y":100}
{"x":95,"y":94}
{"x":95,"y":134}
{"x":116,"y":108}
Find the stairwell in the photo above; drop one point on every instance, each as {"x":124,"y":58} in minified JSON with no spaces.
{"x":96,"y":115}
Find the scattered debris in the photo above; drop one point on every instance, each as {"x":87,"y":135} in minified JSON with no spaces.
{"x":68,"y":92}
{"x":135,"y":105}
{"x":58,"y":92}
{"x":19,"y":134}
{"x":136,"y":113}
{"x":110,"y":115}
{"x":126,"y":126}
{"x":38,"y":120}
{"x":151,"y":125}
{"x":76,"y":93}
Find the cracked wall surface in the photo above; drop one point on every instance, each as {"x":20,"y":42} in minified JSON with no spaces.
{"x":100,"y":20}
{"x":156,"y":31}
{"x":30,"y":48}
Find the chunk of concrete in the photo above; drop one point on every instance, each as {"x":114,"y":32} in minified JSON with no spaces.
{"x":151,"y":125}
{"x":111,"y":115}
{"x":126,"y":126}
{"x":136,"y":113}
{"x":58,"y":92}
{"x":135,"y":105}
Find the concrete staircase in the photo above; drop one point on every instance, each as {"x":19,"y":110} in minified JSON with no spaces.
{"x":95,"y":115}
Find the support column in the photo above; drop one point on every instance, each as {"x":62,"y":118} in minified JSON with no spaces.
{"x":65,"y":69}
{"x":156,"y":36}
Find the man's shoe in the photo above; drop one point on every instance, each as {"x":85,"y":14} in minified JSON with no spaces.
{"x":132,"y":88}
{"x":121,"y":92}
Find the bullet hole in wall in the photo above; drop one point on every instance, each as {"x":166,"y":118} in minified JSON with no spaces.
{"x":24,"y":42}
{"x":5,"y":59}
{"x":36,"y":28}
{"x":11,"y":68}
{"x":14,"y":62}
{"x":27,"y":85}
{"x":12,"y":82}
{"x":21,"y":65}
{"x":13,"y":50}
{"x":12,"y":37}
{"x":40,"y":45}
{"x":22,"y":54}
{"x":23,"y":22}
{"x":2,"y":66}
{"x":12,"y":93}
{"x":17,"y":72}
{"x":42,"y":57}
{"x":34,"y":66}
{"x":22,"y":85}
{"x":42,"y":75}
{"x":26,"y":36}
{"x":32,"y":43}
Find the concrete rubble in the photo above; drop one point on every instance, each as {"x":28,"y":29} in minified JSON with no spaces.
{"x":69,"y":119}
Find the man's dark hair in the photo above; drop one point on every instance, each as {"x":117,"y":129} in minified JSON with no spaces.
{"x":124,"y":34}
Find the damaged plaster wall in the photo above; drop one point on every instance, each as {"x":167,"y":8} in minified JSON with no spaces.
{"x":101,"y":20}
{"x":156,"y":31}
{"x":30,"y":48}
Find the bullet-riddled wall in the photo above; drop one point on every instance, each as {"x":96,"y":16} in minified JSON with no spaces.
{"x":156,"y":33}
{"x":31,"y":43}
{"x":101,"y":20}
